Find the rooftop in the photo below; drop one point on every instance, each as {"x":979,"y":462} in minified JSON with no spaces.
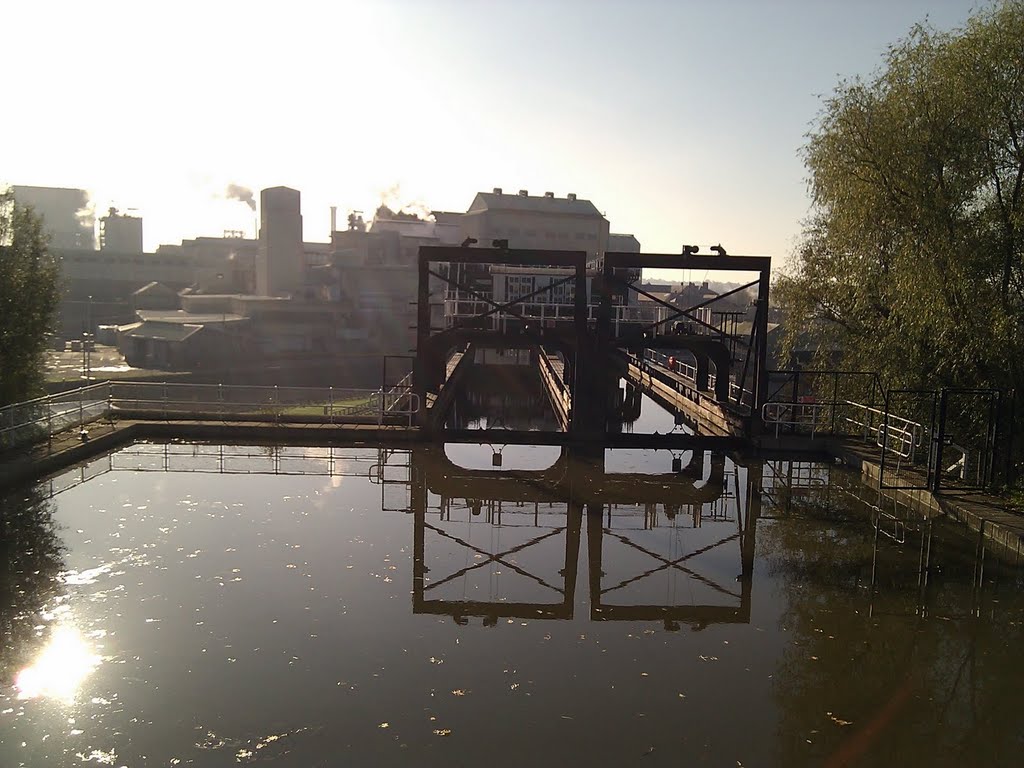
{"x":499,"y":201}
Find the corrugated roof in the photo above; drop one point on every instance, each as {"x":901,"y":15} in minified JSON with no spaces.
{"x":163,"y":331}
{"x":154,"y":286}
{"x":489,"y":201}
{"x":179,"y":317}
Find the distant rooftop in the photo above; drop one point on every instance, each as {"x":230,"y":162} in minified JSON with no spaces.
{"x":547,"y":203}
{"x":178,"y":317}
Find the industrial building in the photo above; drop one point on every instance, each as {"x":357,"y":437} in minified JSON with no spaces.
{"x":219,"y":300}
{"x":67,"y":216}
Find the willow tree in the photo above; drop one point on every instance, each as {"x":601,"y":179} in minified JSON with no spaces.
{"x":911,"y":262}
{"x":29,"y":295}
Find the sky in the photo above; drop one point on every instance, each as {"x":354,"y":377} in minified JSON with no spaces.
{"x":682,"y":121}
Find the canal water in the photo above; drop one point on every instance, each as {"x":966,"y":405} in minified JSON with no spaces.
{"x":176,"y":604}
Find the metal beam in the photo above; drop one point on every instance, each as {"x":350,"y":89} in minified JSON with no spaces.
{"x":619,"y":259}
{"x":456,"y":255}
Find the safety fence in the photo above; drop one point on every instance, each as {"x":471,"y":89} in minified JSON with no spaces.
{"x":946,"y":438}
{"x":684,"y":365}
{"x":36,"y":421}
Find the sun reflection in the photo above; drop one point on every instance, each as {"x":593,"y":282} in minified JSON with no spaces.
{"x":61,"y":667}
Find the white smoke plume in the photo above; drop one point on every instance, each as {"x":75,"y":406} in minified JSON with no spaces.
{"x":393,"y":207}
{"x":86,"y":218}
{"x":241,"y":194}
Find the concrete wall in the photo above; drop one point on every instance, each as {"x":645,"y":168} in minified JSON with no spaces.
{"x":65,"y":212}
{"x":121,"y":233}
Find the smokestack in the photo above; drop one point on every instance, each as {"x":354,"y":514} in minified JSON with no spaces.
{"x":334,"y":218}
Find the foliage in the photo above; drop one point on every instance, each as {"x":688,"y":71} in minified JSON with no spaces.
{"x":31,"y":561}
{"x":911,"y":261}
{"x":29,"y":294}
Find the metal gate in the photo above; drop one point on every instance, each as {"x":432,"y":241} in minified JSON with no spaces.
{"x":950,"y":438}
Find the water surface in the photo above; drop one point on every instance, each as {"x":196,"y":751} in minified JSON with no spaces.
{"x":224,"y":605}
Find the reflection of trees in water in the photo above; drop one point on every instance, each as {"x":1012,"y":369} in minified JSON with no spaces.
{"x":937,"y":686}
{"x":31,"y":560}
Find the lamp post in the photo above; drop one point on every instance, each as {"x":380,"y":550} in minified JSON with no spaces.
{"x":223,"y":307}
{"x":86,"y":340}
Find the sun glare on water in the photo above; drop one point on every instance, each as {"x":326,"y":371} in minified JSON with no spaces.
{"x":61,"y":667}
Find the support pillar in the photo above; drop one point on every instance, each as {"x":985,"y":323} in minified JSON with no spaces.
{"x":419,"y":375}
{"x":703,"y":371}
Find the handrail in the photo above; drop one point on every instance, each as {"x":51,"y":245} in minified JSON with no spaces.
{"x":895,"y":433}
{"x":736,"y":392}
{"x":38,"y":419}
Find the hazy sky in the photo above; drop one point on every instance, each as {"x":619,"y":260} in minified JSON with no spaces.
{"x":682,"y":121}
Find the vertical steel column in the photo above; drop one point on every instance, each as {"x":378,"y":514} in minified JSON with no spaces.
{"x":595,"y":533}
{"x":755,"y":484}
{"x":573,"y":528}
{"x":940,"y":438}
{"x":419,"y":376}
{"x":581,"y":401}
{"x":418,"y":503}
{"x":761,"y":350}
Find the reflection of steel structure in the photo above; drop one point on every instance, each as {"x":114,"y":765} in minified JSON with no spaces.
{"x":577,"y":487}
{"x":575,"y":477}
{"x":386,"y":467}
{"x":563,"y":590}
{"x":783,"y":480}
{"x":602,"y":607}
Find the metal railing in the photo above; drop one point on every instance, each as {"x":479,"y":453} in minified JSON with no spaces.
{"x":37,"y":420}
{"x":688,"y":371}
{"x":556,"y":385}
{"x":895,"y":434}
{"x":545,"y":313}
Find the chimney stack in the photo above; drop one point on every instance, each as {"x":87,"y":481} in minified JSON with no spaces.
{"x":523,"y":193}
{"x":549,"y":195}
{"x":497,"y":190}
{"x":571,"y":196}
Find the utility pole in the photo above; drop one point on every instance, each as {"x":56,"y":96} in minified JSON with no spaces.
{"x":86,"y":341}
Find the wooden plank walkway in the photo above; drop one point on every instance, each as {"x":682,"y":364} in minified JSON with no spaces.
{"x":699,"y":407}
{"x":552,"y":376}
